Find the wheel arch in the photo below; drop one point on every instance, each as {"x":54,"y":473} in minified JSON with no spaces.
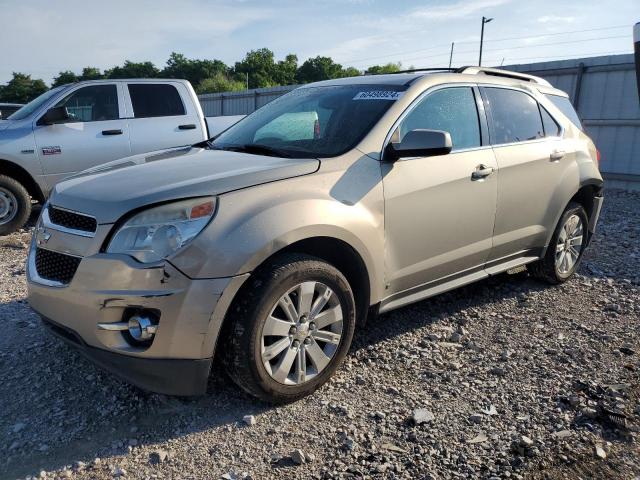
{"x":15,"y":171}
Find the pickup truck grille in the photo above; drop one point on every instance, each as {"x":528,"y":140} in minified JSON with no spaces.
{"x":56,"y":267}
{"x":72,"y":220}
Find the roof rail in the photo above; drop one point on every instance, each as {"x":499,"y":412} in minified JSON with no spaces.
{"x":418,"y":70}
{"x":496,"y":72}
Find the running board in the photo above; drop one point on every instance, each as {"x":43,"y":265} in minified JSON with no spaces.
{"x":515,"y":270}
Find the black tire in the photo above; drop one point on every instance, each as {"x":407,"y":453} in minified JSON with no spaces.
{"x":546,"y":268}
{"x":22,"y":199}
{"x":243,"y":333}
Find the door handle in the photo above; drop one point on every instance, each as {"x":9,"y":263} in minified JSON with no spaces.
{"x":481,"y":172}
{"x":556,"y":155}
{"x":190,"y":126}
{"x":112,"y":132}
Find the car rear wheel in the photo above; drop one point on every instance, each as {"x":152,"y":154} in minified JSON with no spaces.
{"x":15,"y":205}
{"x":564,"y":253}
{"x":290,"y":329}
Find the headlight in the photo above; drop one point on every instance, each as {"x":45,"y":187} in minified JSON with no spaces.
{"x":156,"y":233}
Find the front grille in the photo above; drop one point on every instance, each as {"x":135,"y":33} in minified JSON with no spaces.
{"x":71,"y":220}
{"x":56,"y":267}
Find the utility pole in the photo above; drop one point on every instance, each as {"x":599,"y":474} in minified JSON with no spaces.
{"x":247,"y":80}
{"x":484,"y":20}
{"x":451,"y":54}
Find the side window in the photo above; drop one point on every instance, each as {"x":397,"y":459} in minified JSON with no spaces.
{"x":565,"y":106}
{"x":92,"y":104}
{"x":515,"y":115}
{"x":551,"y":127}
{"x":452,"y":110}
{"x":155,"y":100}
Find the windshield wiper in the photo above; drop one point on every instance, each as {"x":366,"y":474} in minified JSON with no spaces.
{"x":252,"y":148}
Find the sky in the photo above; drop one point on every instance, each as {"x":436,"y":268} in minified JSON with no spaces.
{"x":43,"y":37}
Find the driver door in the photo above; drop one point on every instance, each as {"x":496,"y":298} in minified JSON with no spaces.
{"x":94,"y":135}
{"x":438,"y":218}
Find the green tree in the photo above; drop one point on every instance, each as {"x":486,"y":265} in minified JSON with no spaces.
{"x":318,"y":68}
{"x":179,"y":66}
{"x":285,"y":70}
{"x":350,"y":72}
{"x":63,"y":78}
{"x":133,"y":70}
{"x":219,"y":83}
{"x":380,"y":69}
{"x":22,"y":89}
{"x":91,"y":73}
{"x":260,"y":66}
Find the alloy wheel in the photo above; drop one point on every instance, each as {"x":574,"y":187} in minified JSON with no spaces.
{"x":302,"y":333}
{"x":569,"y":245}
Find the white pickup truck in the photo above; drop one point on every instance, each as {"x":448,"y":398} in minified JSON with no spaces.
{"x":78,"y":126}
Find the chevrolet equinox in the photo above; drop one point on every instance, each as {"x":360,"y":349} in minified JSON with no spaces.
{"x":270,"y":243}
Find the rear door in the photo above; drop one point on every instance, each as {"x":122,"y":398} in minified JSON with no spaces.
{"x":163,"y":116}
{"x":438,"y":217}
{"x":533,"y":162}
{"x":96,"y":133}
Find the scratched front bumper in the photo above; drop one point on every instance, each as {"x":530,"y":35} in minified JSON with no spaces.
{"x":105,"y":285}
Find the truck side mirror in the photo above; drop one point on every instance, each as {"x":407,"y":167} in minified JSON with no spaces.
{"x":55,"y":115}
{"x":419,"y":143}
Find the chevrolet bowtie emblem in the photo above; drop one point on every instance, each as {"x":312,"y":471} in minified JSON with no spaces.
{"x":43,"y":236}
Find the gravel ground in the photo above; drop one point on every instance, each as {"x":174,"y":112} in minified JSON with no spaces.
{"x":506,"y":378}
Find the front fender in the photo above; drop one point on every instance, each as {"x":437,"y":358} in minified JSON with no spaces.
{"x":253,"y":224}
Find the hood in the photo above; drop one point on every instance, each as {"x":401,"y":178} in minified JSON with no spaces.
{"x":112,"y":190}
{"x":4,"y":124}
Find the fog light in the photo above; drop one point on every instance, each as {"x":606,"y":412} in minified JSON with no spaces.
{"x":142,"y":328}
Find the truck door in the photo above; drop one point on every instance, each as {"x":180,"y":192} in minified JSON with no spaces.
{"x":95,"y":134}
{"x":164,"y":116}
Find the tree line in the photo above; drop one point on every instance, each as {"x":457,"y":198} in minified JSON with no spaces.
{"x":258,"y":69}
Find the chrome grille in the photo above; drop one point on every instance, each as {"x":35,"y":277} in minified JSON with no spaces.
{"x":72,"y":220}
{"x":56,"y":267}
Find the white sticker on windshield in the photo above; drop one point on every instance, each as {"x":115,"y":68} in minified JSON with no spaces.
{"x":378,"y":95}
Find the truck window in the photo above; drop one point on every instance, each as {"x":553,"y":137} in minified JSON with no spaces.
{"x":155,"y":100}
{"x":565,"y":106}
{"x":515,"y":116}
{"x":551,"y":127}
{"x":94,"y":103}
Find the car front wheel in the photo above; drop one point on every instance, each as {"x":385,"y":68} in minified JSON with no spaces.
{"x":290,"y":329}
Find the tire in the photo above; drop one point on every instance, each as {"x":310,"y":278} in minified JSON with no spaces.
{"x":258,"y":310}
{"x":15,"y":205}
{"x":550,"y":268}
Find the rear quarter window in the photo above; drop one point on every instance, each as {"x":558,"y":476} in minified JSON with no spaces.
{"x":565,"y":106}
{"x":155,"y":100}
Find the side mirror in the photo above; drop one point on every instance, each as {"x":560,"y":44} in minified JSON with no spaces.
{"x":55,"y":115}
{"x":420,"y":143}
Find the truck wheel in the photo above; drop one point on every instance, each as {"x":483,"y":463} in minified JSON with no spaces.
{"x":290,"y":329}
{"x":15,"y":205}
{"x":566,"y":248}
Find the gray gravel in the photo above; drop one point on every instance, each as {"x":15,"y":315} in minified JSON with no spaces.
{"x":507,"y":378}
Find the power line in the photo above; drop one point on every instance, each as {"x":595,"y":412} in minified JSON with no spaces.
{"x":560,"y":57}
{"x":522,"y":46}
{"x":528,"y":37}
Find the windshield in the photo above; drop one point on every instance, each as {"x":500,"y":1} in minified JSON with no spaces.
{"x":34,"y":105}
{"x":311,"y":121}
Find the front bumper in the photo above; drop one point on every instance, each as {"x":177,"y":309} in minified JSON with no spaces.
{"x":107,"y":286}
{"x":184,"y":377}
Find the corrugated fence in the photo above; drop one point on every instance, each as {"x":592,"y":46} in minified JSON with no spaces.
{"x":603,"y":89}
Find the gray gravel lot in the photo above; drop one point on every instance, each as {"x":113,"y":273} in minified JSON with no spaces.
{"x":507,"y":378}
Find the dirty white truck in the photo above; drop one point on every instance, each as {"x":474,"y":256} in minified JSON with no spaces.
{"x":78,"y":126}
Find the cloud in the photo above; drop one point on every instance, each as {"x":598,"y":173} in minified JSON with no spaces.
{"x":460,"y":9}
{"x":556,"y":19}
{"x":41,"y":37}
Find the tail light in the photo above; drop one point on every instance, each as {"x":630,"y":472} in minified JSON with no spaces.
{"x":598,"y":158}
